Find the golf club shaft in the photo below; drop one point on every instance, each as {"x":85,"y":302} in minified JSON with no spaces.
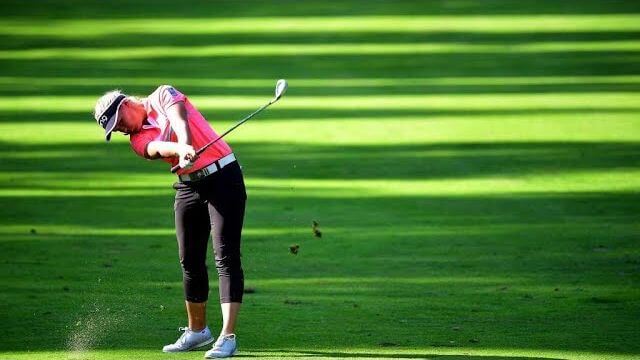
{"x":202,"y":149}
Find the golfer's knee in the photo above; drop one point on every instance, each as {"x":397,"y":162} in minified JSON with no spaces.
{"x":196,"y":283}
{"x":228,"y":265}
{"x":193,"y":269}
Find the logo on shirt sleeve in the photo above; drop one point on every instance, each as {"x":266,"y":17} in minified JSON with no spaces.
{"x":173,"y":91}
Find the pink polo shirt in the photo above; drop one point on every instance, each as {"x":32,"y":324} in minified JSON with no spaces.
{"x":158,"y":128}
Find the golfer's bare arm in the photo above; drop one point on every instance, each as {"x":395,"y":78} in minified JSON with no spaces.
{"x":177,"y":115}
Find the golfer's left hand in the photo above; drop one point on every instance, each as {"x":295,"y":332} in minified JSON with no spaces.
{"x":185,"y":164}
{"x":186,"y":155}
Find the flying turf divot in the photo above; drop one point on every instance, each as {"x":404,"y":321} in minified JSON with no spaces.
{"x":88,"y":332}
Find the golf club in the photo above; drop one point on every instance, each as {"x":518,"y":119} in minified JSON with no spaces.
{"x":281,"y":88}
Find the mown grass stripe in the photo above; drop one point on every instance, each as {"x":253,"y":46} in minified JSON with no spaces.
{"x":324,"y":82}
{"x":148,"y":52}
{"x":570,"y":23}
{"x":523,"y":101}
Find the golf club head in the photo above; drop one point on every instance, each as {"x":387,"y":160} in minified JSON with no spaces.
{"x":281,"y":88}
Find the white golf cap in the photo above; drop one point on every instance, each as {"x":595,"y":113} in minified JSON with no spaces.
{"x":106,"y":111}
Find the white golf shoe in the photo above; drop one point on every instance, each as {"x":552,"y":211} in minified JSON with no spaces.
{"x":225,"y":346}
{"x":190,"y":340}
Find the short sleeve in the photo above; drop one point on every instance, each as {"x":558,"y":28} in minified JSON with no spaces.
{"x":168,"y":95}
{"x":139,"y":142}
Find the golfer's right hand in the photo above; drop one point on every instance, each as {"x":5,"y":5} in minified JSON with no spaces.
{"x":186,"y":156}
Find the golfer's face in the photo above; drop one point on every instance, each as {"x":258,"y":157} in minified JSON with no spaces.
{"x":132,"y":116}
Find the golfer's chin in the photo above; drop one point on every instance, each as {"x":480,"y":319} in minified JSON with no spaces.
{"x":125,"y":132}
{"x":137,"y":129}
{"x":132,"y":130}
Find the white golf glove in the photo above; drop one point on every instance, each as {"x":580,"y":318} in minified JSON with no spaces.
{"x":185,"y":164}
{"x":186,"y":156}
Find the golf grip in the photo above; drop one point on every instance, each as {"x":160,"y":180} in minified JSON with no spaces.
{"x":202,"y":149}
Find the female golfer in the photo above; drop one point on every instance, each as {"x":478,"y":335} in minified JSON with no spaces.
{"x":210,"y":198}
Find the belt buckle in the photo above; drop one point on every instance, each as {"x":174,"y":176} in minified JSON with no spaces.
{"x":194,"y":176}
{"x":201,"y":174}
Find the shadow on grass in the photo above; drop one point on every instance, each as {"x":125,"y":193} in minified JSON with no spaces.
{"x":193,"y":89}
{"x":75,"y":9}
{"x":477,"y":64}
{"x":305,"y":161}
{"x":215,"y":116}
{"x":44,"y":41}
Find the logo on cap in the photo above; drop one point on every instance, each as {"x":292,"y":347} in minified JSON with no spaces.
{"x":111,"y":111}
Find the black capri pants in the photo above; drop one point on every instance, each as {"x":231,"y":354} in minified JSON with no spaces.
{"x":215,"y":205}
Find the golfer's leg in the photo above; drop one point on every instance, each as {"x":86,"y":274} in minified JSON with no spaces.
{"x":192,"y":230}
{"x":226,"y":212}
{"x":230,"y":313}
{"x":197,"y":315}
{"x":226,"y":229}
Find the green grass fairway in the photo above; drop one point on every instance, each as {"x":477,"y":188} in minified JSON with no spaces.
{"x":474,"y":167}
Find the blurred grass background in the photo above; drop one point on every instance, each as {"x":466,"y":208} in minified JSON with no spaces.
{"x":474,"y":167}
